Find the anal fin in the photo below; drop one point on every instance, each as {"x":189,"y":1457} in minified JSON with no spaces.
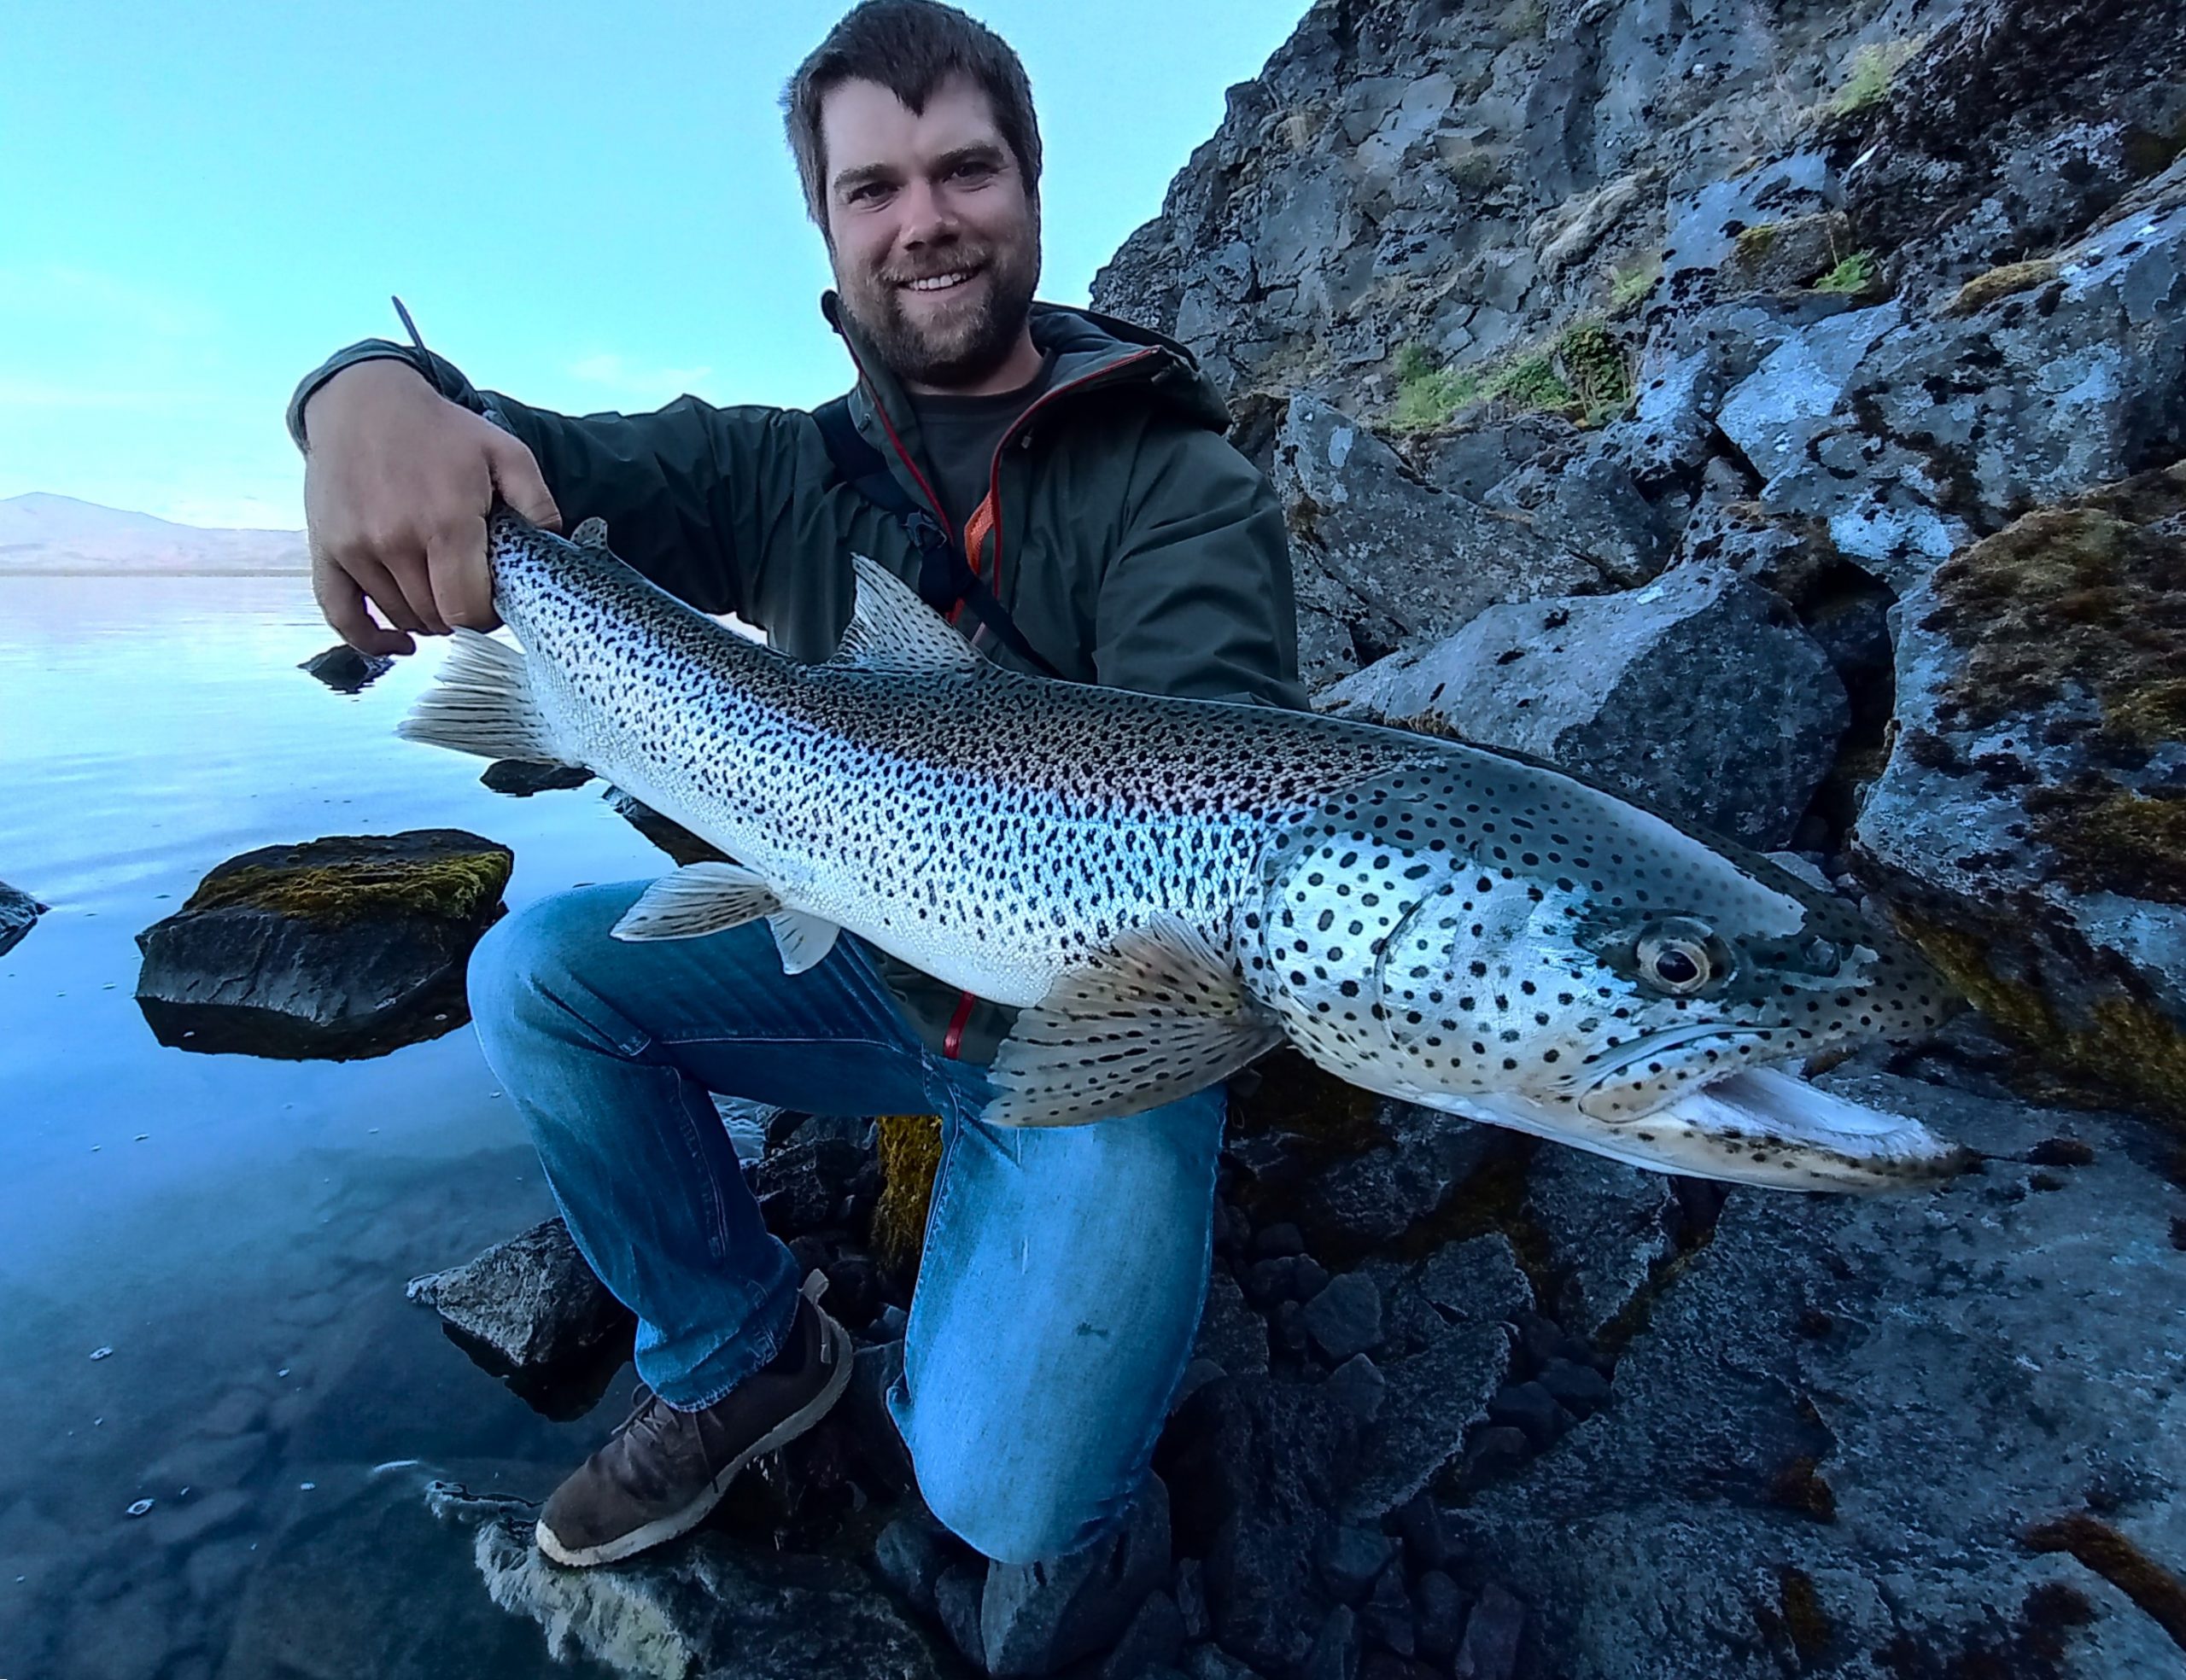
{"x":700,"y":898}
{"x":1155,"y":1017}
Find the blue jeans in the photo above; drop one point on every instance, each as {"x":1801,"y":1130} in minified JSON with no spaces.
{"x":1064,"y":1271}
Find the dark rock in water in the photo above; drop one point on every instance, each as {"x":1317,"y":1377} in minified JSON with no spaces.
{"x":1589,"y":682}
{"x":19,"y":911}
{"x":2030,"y":829}
{"x":802,"y":1188}
{"x":672,"y":838}
{"x":346,"y":946}
{"x":956,"y":1604}
{"x":1034,"y":1617}
{"x":521,"y":778}
{"x":1954,"y":1366}
{"x":1231,"y":1334}
{"x":344,"y":670}
{"x":708,"y":1609}
{"x":530,"y":1309}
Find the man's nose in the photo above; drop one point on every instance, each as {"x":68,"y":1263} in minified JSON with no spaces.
{"x":927,"y":217}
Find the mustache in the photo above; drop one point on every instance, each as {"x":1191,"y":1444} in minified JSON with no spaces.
{"x":967,"y":263}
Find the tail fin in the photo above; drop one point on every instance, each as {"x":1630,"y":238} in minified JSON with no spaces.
{"x":482,"y":703}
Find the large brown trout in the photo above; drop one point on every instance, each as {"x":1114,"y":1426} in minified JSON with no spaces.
{"x":1170,"y":887}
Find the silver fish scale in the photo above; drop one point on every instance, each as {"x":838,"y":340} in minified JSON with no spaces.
{"x":990,"y":827}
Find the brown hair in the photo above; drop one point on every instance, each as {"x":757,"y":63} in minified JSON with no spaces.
{"x":911,"y":47}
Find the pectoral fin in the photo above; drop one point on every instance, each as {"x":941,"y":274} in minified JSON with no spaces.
{"x":698,"y":899}
{"x":1159,"y":1015}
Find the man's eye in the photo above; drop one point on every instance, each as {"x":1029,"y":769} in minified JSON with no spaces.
{"x":974,"y":172}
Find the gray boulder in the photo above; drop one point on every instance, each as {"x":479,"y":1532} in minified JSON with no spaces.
{"x":2029,"y":828}
{"x":1385,"y":557}
{"x":1034,"y":1617}
{"x":345,"y":670}
{"x":1698,"y":694}
{"x":708,"y":1609}
{"x":531,"y":1309}
{"x":1843,"y":1437}
{"x":342,"y":947}
{"x":1608,"y":1228}
{"x":1935,"y":430}
{"x":2015,"y":126}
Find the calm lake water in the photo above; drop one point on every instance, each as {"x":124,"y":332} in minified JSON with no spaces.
{"x":238,"y":1232}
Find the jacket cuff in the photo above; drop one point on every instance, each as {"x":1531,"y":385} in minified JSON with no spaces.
{"x":443,"y":376}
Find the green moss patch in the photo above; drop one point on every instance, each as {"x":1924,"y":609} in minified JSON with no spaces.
{"x":1855,"y":275}
{"x":2114,"y":841}
{"x":1584,"y":374}
{"x":1874,"y":72}
{"x":2088,"y":597}
{"x":455,"y":887}
{"x":2008,"y":280}
{"x":909,"y":1150}
{"x":2125,"y":1044}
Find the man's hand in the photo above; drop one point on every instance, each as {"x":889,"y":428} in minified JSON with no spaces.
{"x":397,"y":485}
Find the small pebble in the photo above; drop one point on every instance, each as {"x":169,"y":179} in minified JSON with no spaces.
{"x":140,"y":1508}
{"x":102,"y":1353}
{"x":307,"y":1487}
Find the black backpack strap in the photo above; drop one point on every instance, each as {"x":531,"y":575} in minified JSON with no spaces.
{"x":946,"y":580}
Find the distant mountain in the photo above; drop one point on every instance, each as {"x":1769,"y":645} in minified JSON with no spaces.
{"x":45,"y":534}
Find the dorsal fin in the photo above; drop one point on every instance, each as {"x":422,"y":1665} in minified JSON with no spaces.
{"x":891,"y":628}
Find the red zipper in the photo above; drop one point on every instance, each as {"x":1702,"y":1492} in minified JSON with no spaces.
{"x":994,"y":468}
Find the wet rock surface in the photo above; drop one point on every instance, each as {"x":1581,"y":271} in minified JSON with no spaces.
{"x":531,"y":1310}
{"x":18,"y":914}
{"x":345,"y":670}
{"x":340,"y":947}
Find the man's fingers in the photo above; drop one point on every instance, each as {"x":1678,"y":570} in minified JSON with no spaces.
{"x":385,"y":590}
{"x":463,"y":584}
{"x":408,"y":573}
{"x":516,"y":475}
{"x":342,"y":603}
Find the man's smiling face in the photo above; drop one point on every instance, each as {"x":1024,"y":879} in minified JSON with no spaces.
{"x":934,"y":235}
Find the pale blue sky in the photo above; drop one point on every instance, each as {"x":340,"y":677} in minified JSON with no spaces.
{"x":588,"y":207}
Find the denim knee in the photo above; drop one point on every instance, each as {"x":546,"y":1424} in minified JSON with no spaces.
{"x":526,"y":958}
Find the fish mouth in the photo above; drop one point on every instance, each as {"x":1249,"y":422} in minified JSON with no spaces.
{"x":1692,"y":1059}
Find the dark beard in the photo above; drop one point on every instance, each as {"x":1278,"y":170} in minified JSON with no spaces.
{"x":971,"y":353}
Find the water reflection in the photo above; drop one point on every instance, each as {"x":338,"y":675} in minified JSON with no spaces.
{"x":237,"y":1230}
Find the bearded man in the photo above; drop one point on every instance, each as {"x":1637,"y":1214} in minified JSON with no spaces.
{"x":1060,"y":483}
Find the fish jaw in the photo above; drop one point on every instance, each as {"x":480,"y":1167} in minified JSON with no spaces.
{"x":1757,"y":1126}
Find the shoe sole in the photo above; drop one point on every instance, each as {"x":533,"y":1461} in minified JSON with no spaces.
{"x":666,"y":1528}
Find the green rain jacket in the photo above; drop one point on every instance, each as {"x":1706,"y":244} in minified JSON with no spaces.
{"x":1132,"y":546}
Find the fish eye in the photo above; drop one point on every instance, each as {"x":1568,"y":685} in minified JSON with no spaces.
{"x":1678,"y":962}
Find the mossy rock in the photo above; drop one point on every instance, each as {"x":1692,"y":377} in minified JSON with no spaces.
{"x":909,"y":1149}
{"x":336,"y":948}
{"x":2031,"y":831}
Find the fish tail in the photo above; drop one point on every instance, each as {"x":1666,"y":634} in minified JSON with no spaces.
{"x":484,"y":703}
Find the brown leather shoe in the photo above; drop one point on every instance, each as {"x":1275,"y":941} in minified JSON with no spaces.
{"x":663,"y":1470}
